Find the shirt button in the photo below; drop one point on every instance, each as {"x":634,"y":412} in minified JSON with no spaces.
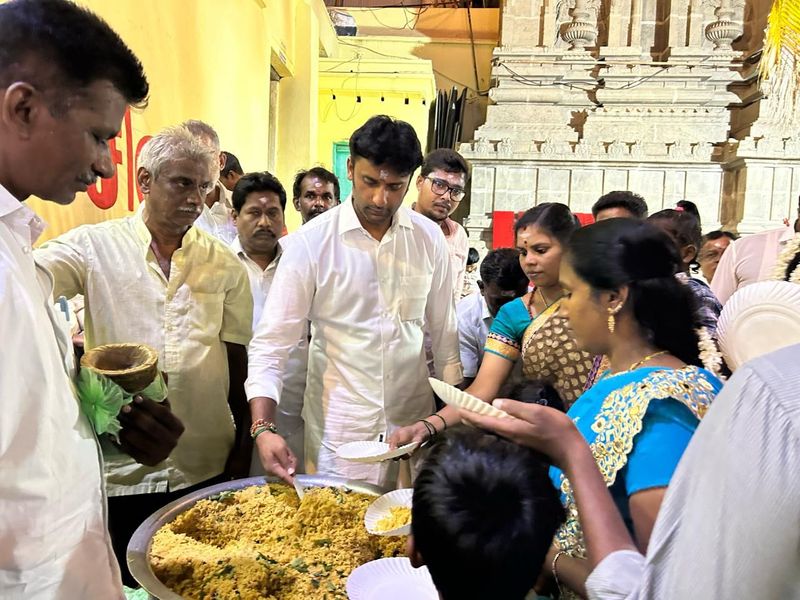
{"x":26,"y":249}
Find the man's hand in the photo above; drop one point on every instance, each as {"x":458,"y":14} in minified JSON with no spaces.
{"x":149,"y":430}
{"x":416,"y":432}
{"x":539,"y":427}
{"x":276,"y":457}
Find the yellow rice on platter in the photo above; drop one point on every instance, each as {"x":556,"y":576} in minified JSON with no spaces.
{"x":262,"y":542}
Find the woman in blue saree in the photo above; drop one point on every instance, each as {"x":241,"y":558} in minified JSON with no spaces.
{"x":623,"y":301}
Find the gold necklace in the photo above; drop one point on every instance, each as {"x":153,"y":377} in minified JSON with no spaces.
{"x":638,"y":364}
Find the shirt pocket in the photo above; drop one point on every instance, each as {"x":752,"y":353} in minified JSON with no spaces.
{"x":413,"y":297}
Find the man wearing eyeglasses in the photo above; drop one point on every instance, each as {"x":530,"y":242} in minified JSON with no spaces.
{"x":440,"y":186}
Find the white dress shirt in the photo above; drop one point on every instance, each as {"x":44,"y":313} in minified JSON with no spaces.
{"x":187,"y":319}
{"x":729,"y":526}
{"x":53,"y":531}
{"x":749,"y":260}
{"x":288,"y":419}
{"x":474,"y":321}
{"x":218,"y":220}
{"x":368,"y":302}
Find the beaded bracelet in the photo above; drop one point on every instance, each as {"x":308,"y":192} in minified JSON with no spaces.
{"x":259,"y":426}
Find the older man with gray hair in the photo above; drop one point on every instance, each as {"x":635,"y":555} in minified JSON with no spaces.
{"x":153,"y":278}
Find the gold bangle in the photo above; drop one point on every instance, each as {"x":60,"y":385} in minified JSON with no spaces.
{"x":558,"y":555}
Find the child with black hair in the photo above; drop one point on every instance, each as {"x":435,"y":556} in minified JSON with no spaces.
{"x":483,"y":517}
{"x":537,"y":391}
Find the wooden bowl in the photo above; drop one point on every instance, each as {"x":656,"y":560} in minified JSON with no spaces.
{"x":131,"y":366}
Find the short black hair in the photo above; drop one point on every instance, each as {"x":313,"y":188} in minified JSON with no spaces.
{"x":231,"y":164}
{"x":472,"y":256}
{"x":716,"y":235}
{"x":483,"y":516}
{"x":80,"y":45}
{"x":631,"y":202}
{"x":444,"y":159}
{"x":501,"y":266}
{"x":682,"y":226}
{"x":257,"y":182}
{"x":537,"y":391}
{"x":320,"y":172}
{"x":383,"y":140}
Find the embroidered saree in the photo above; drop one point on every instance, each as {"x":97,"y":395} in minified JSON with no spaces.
{"x":544,"y":343}
{"x":638,"y":424}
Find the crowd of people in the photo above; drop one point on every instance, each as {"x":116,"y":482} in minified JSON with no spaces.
{"x":632,"y":469}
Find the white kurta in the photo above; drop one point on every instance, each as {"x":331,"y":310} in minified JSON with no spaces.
{"x":187,"y":318}
{"x":53,"y":532}
{"x":218,"y":220}
{"x":729,"y":526}
{"x":369,"y":302}
{"x":288,"y":418}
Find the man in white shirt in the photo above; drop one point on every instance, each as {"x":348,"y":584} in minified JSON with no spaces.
{"x":440,"y":189}
{"x":216,"y":217}
{"x":62,"y":98}
{"x":371,"y":276}
{"x":153,"y":278}
{"x":259,"y":202}
{"x":750,"y":259}
{"x":315,"y":191}
{"x":502,"y":280}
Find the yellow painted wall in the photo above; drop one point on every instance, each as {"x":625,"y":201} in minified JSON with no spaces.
{"x":210,"y":60}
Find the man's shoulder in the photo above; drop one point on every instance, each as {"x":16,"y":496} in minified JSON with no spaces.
{"x":216,"y":250}
{"x":111,"y":230}
{"x":423,"y":226}
{"x":470,"y":307}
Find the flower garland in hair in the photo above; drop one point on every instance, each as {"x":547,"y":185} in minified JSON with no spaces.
{"x":710,"y":355}
{"x":785,"y":259}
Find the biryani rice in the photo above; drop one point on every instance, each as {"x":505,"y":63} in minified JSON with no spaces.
{"x":262,"y":542}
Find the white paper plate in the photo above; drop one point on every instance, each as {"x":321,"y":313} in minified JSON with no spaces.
{"x":381,"y":507}
{"x":372,"y":452}
{"x":758,"y":319}
{"x":390,"y":579}
{"x":455,"y":397}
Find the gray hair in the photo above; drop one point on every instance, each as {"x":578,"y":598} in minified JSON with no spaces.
{"x":201,"y":129}
{"x":175,"y":143}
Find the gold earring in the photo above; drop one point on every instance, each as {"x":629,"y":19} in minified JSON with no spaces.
{"x":612,"y":323}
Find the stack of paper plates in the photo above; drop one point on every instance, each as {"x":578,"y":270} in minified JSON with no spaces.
{"x":455,"y":397}
{"x":372,"y":452}
{"x":391,"y":579}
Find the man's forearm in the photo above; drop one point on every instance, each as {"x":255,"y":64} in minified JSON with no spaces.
{"x":263,"y":408}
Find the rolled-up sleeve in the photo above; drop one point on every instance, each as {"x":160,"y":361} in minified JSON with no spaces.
{"x":283,"y":321}
{"x":440,"y":314}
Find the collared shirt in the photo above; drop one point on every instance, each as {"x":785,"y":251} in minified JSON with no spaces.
{"x":186,"y":319}
{"x":218,"y":220}
{"x":729,"y":526}
{"x":53,"y":530}
{"x":288,"y":419}
{"x":748,"y":260}
{"x":458,"y":248}
{"x":474,"y":321}
{"x":369,"y":303}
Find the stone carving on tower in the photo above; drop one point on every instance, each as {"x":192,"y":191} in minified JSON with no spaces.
{"x":655,"y":96}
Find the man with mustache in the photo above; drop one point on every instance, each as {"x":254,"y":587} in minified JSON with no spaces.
{"x":259,"y":203}
{"x":440,"y":188}
{"x":371,"y":276}
{"x":315,"y":191}
{"x":154,"y":278}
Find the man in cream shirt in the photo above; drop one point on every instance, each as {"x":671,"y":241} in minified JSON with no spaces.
{"x":153,"y":278}
{"x":371,"y":276}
